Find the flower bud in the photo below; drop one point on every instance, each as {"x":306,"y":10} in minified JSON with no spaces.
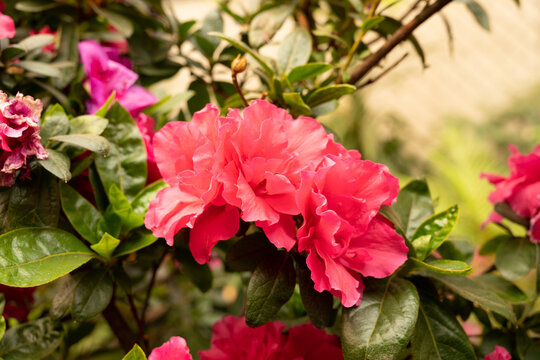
{"x":239,"y":64}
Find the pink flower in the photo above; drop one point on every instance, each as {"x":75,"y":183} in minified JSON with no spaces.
{"x":343,"y":234}
{"x":17,"y":301}
{"x":499,"y":353}
{"x":7,"y":27}
{"x":146,"y":124}
{"x":19,"y":136}
{"x":46,"y":30}
{"x":176,"y":348}
{"x":521,"y":189}
{"x":106,"y":74}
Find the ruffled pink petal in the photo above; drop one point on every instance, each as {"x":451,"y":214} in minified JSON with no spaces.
{"x":135,"y":99}
{"x":176,"y":348}
{"x":282,"y":233}
{"x":7,"y":26}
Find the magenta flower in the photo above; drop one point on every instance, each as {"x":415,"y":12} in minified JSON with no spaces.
{"x":19,"y":136}
{"x":176,"y":348}
{"x":18,"y":301}
{"x":342,"y":233}
{"x":106,"y":73}
{"x":7,"y":26}
{"x":499,"y":353}
{"x":520,"y":189}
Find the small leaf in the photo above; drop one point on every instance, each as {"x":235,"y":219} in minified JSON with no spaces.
{"x":478,"y":12}
{"x":135,"y":242}
{"x":95,"y":143}
{"x":270,"y":287}
{"x":248,"y":252}
{"x":515,"y":258}
{"x":135,"y":354}
{"x":54,"y":122}
{"x":88,"y":124}
{"x":121,"y":206}
{"x":32,"y":340}
{"x":327,"y":93}
{"x":414,"y":205}
{"x":380,"y":328}
{"x":294,"y":50}
{"x":296,"y":103}
{"x":504,"y":288}
{"x":106,"y":246}
{"x":450,"y":267}
{"x":57,"y":163}
{"x":266,"y":23}
{"x":102,"y":112}
{"x":200,"y":275}
{"x":82,"y":215}
{"x":39,"y":68}
{"x":92,"y":295}
{"x":36,"y":42}
{"x":36,"y":256}
{"x":307,"y":71}
{"x":372,"y":23}
{"x":439,"y":227}
{"x":36,"y":5}
{"x":142,"y":200}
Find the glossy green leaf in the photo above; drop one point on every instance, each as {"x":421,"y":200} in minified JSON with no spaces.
{"x":307,"y":71}
{"x":88,"y":124}
{"x":36,"y":256}
{"x":296,"y":103}
{"x":473,"y":290}
{"x":270,"y":287}
{"x":515,"y":258}
{"x":30,"y":341}
{"x":106,"y":246}
{"x":450,"y":267}
{"x":248,"y":252}
{"x":478,"y":12}
{"x":438,"y":227}
{"x":504,"y":288}
{"x":294,"y":50}
{"x":438,"y":335}
{"x":414,"y":205}
{"x":137,"y":241}
{"x":39,"y":68}
{"x":135,"y":354}
{"x":53,"y":122}
{"x":36,"y":5}
{"x":58,"y":164}
{"x":92,"y":295}
{"x":266,"y":23}
{"x":327,"y":93}
{"x":200,"y":275}
{"x":380,"y":328}
{"x":125,"y":165}
{"x":142,"y":200}
{"x":82,"y":215}
{"x":121,"y":206}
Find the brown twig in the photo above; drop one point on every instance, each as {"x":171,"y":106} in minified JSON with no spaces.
{"x":150,"y":286}
{"x":140,"y":325}
{"x":119,"y":326}
{"x":384,"y":72}
{"x":395,"y":39}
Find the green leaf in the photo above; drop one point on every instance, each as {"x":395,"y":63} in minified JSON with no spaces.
{"x":88,"y":124}
{"x":125,"y":166}
{"x":30,"y":341}
{"x":266,"y":23}
{"x":438,"y":335}
{"x":297,"y":104}
{"x":327,"y":93}
{"x":92,"y":295}
{"x":527,"y":348}
{"x":120,"y":22}
{"x":36,"y":256}
{"x":414,"y":205}
{"x":504,"y":288}
{"x":36,"y":42}
{"x":248,"y":252}
{"x":294,"y":50}
{"x":142,"y":200}
{"x":515,"y":258}
{"x":473,"y":290}
{"x":102,"y":112}
{"x":450,"y":267}
{"x":36,"y":5}
{"x":12,"y":52}
{"x":372,"y":23}
{"x":269,"y":288}
{"x":39,"y":68}
{"x":135,"y":242}
{"x":95,"y":143}
{"x":490,"y":246}
{"x":121,"y":206}
{"x":438,"y":227}
{"x":61,"y":303}
{"x":200,"y":275}
{"x":380,"y":328}
{"x":82,"y":215}
{"x":106,"y":246}
{"x":319,"y":306}
{"x":57,"y":164}
{"x":2,"y":326}
{"x":307,"y":71}
{"x":69,"y":35}
{"x":245,"y":48}
{"x":54,"y":122}
{"x":135,"y":354}
{"x":478,"y":12}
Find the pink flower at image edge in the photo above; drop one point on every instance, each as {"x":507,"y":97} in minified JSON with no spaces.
{"x":499,"y":353}
{"x":7,"y":26}
{"x":176,"y":348}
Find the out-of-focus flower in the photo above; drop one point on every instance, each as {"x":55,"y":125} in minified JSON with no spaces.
{"x":343,"y":233}
{"x":46,"y":30}
{"x":176,"y":348}
{"x":146,"y":124}
{"x":499,"y":353}
{"x":106,"y":75}
{"x":19,"y":136}
{"x":7,"y":26}
{"x":520,"y":189}
{"x":121,"y":46}
{"x":17,"y":301}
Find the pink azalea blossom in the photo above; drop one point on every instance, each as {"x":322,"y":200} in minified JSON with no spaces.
{"x":499,"y":353}
{"x":19,"y":136}
{"x":520,"y":189}
{"x":146,"y":124}
{"x":46,"y":30}
{"x":7,"y":26}
{"x":343,"y":234}
{"x":106,"y":74}
{"x":176,"y":348}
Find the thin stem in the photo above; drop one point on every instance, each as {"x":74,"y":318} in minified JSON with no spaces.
{"x":140,"y":325}
{"x":238,"y":89}
{"x":150,"y":286}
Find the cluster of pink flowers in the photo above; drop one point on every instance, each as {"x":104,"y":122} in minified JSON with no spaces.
{"x":265,"y":167}
{"x":19,"y":136}
{"x":520,"y":189}
{"x":232,"y":339}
